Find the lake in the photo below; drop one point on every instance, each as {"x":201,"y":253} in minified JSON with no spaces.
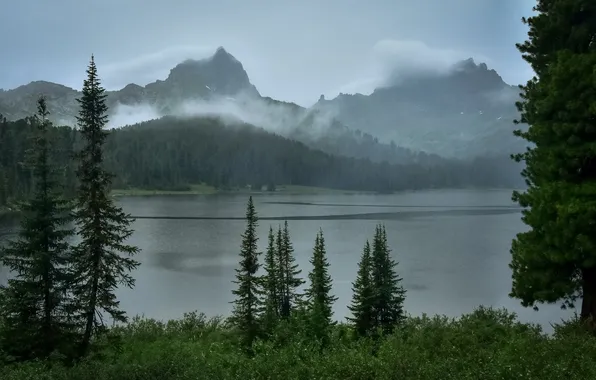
{"x":452,"y":247}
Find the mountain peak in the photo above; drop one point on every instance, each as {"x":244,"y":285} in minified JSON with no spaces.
{"x":219,"y":74}
{"x":469,"y":64}
{"x":221,"y":53}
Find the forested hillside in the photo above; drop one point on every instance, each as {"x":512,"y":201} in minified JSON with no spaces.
{"x":172,"y":153}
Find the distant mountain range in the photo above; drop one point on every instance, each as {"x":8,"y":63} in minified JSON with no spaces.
{"x":466,"y":113}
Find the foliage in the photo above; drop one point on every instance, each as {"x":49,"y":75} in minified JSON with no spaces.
{"x":270,"y":284}
{"x":556,"y":258}
{"x":290,"y":280}
{"x":362,"y":318}
{"x":488,"y":344}
{"x":102,"y":260}
{"x":34,"y":315}
{"x":319,"y":299}
{"x":247,"y":305}
{"x":388,"y":293}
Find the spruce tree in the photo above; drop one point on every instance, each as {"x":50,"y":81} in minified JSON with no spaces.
{"x":34,"y":310}
{"x":281,"y":279}
{"x":102,"y":259}
{"x":389,"y":294}
{"x":245,"y":314}
{"x":318,"y":295}
{"x":555,"y":259}
{"x":271,"y":284}
{"x":362,"y":307}
{"x":291,"y":281}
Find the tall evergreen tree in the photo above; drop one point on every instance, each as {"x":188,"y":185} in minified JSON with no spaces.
{"x":555,"y":260}
{"x":102,"y":259}
{"x":291,"y":281}
{"x":318,"y":295}
{"x":281,"y":280}
{"x":271,"y":283}
{"x":389,"y":294}
{"x":362,"y":307}
{"x":245,"y":314}
{"x":34,"y":301}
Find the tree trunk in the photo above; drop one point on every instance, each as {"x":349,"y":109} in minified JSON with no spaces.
{"x":588,"y":312}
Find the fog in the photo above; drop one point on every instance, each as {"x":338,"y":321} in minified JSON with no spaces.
{"x":276,"y":117}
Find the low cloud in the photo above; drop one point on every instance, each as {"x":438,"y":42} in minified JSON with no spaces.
{"x":394,"y":60}
{"x":280,"y":118}
{"x":150,"y":67}
{"x":129,"y":115}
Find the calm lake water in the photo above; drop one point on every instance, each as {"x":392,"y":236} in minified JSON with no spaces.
{"x":452,"y":247}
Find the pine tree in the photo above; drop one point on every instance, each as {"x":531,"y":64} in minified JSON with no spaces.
{"x":318,"y":295}
{"x":102,"y":259}
{"x":33,"y":309}
{"x":363,"y":296}
{"x":555,"y":259}
{"x":245,"y":314}
{"x":281,"y":280}
{"x":290,"y":297}
{"x":271,"y":284}
{"x":389,"y":295}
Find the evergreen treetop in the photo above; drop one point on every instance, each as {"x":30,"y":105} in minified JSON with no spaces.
{"x":389,"y":295}
{"x":362,"y":303}
{"x":318,"y":294}
{"x":271,"y":282}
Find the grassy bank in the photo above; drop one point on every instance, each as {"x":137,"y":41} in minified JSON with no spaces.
{"x":203,"y":189}
{"x":487,"y":344}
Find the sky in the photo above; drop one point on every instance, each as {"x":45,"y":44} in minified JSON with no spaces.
{"x":292,"y":50}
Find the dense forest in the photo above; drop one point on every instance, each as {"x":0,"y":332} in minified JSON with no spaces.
{"x":172,"y":153}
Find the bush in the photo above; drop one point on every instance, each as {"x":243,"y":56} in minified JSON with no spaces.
{"x":486,"y":344}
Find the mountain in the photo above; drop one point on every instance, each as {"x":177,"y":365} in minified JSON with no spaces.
{"x":466,"y":112}
{"x":216,"y":86}
{"x":218,"y":75}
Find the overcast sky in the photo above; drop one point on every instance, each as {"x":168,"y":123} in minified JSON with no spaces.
{"x":292,"y":50}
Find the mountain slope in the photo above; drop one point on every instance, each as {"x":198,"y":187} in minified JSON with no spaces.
{"x":218,"y":75}
{"x":465,"y":113}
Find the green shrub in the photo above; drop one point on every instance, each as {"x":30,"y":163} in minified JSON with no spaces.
{"x":485,"y":344}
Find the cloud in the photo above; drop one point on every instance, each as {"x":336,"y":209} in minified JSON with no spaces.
{"x":272,"y":117}
{"x":129,"y":115}
{"x":279,"y":118}
{"x":150,"y":67}
{"x":393,"y":60}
